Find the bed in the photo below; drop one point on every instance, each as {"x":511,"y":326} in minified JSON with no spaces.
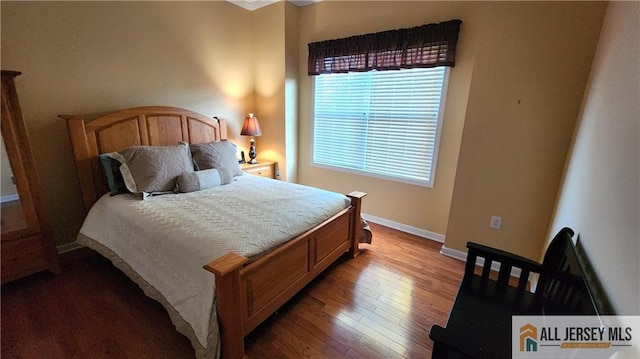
{"x":247,"y":281}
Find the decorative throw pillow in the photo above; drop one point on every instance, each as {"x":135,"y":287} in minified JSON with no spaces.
{"x":219,"y":154}
{"x":114,"y":177}
{"x":152,"y":169}
{"x":195,"y":181}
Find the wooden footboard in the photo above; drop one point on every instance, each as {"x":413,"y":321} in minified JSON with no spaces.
{"x":247,"y":294}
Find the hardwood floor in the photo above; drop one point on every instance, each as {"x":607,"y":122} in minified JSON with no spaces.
{"x":379,"y":305}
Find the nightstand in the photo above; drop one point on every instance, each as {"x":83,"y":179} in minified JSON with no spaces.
{"x":264,"y":168}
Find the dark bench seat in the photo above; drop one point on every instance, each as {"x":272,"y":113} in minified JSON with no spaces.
{"x":479,"y":324}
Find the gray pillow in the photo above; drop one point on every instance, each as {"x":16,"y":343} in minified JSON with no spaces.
{"x":219,"y":154}
{"x":195,"y":181}
{"x":152,"y":169}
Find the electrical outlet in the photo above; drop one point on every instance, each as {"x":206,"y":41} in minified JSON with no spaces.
{"x":496,"y":222}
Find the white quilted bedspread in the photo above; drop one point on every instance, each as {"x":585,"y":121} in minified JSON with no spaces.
{"x":167,"y":239}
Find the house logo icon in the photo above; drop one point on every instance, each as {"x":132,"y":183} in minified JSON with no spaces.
{"x":528,"y":336}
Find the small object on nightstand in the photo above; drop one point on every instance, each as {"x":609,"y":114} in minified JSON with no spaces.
{"x":242,"y":157}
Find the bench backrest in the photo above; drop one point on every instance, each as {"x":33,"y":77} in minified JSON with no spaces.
{"x":562,"y":287}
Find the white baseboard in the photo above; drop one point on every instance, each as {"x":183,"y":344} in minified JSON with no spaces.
{"x":453,"y":253}
{"x":405,"y":228}
{"x":9,"y":198}
{"x":68,"y":247}
{"x":460,"y":255}
{"x":444,"y":250}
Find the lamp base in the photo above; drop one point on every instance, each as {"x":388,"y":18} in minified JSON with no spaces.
{"x":252,"y":151}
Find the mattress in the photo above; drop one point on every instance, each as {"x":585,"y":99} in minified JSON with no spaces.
{"x":163,"y":242}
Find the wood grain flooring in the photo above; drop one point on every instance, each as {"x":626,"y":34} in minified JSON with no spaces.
{"x":379,"y":305}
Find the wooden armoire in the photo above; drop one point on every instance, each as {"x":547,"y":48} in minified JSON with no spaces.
{"x":27,"y":246}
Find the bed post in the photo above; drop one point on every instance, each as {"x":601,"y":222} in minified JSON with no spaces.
{"x":222,"y":124}
{"x":78,"y":137}
{"x":228,"y":293}
{"x":354,"y":226}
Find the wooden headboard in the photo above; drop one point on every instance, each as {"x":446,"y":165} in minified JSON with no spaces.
{"x":140,"y":126}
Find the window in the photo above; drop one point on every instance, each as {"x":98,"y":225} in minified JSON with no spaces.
{"x":380,"y":123}
{"x":379,"y":100}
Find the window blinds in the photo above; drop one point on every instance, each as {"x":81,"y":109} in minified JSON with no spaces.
{"x":384,"y":123}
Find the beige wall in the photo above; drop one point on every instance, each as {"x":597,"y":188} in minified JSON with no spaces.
{"x":97,"y":57}
{"x":420,"y":207}
{"x":275,"y":62}
{"x":504,"y":157}
{"x":268,"y":51}
{"x":600,"y":196}
{"x":511,"y":153}
{"x":530,"y":69}
{"x":291,"y":86}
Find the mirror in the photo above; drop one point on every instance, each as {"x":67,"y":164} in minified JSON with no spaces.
{"x":26,"y":245}
{"x":12,"y":216}
{"x":20,"y":209}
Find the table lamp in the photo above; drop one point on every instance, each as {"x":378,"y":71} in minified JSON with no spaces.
{"x":251,"y":127}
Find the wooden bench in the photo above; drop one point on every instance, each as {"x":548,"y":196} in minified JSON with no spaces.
{"x":479,"y":325}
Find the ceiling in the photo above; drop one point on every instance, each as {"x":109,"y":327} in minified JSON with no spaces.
{"x":256,"y":4}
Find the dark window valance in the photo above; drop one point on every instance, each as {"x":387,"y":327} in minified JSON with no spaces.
{"x":423,"y":46}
